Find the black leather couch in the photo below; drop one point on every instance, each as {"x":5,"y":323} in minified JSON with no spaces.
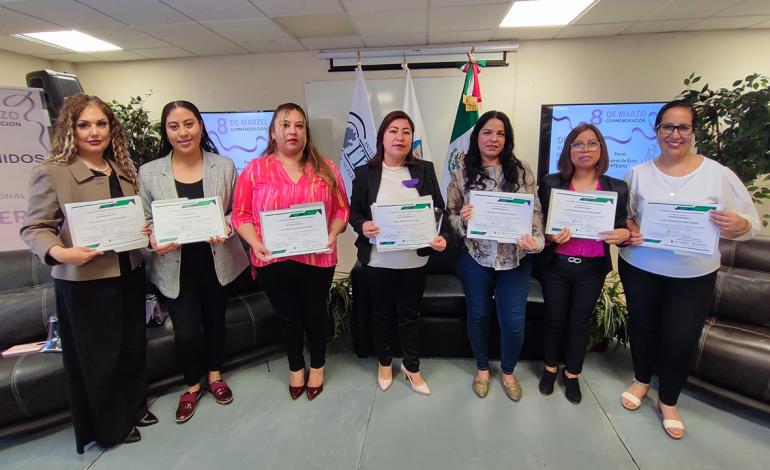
{"x":443,"y":331}
{"x":733,"y":359}
{"x":32,"y":388}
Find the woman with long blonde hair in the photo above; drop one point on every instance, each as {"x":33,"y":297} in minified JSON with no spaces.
{"x":292,"y":171}
{"x":99,"y":294}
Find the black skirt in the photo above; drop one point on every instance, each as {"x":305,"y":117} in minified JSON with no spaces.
{"x":103,"y":344}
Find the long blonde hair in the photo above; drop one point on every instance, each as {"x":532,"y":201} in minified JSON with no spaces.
{"x":310,"y":153}
{"x":64,"y":149}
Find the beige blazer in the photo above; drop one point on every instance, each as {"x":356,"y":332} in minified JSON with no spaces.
{"x":156,"y":182}
{"x":53,"y":186}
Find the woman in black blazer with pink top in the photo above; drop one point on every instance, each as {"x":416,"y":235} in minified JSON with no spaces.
{"x":395,"y":280}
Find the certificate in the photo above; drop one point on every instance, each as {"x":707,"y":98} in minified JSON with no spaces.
{"x":109,"y":224}
{"x":188,"y":220}
{"x":680,"y":227}
{"x":585,"y":214}
{"x":405,"y":225}
{"x":504,"y":217}
{"x":298,"y":230}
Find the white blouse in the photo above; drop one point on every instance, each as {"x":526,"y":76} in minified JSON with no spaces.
{"x":711,"y":182}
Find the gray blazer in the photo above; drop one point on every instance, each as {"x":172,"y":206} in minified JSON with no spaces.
{"x":156,"y":182}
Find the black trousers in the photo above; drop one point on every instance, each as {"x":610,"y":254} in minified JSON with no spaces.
{"x":396,"y":296}
{"x":299,"y":294}
{"x":103,"y":349}
{"x":666,"y":315}
{"x":198,"y":314}
{"x":570,"y":291}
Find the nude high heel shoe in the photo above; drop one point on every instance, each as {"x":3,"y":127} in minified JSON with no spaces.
{"x":422,"y":389}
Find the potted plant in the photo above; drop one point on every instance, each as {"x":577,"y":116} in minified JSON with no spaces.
{"x":143,"y":134}
{"x":610,"y":315}
{"x":735,"y":129}
{"x":341,"y":304}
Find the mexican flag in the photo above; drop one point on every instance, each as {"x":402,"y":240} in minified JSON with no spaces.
{"x":465,"y":119}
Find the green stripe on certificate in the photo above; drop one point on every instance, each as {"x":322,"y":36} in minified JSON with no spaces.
{"x":513,"y":201}
{"x":410,"y":207}
{"x":167,"y":240}
{"x":651,"y":240}
{"x":124,"y":202}
{"x":476,"y":232}
{"x":305,"y":213}
{"x":277,"y":252}
{"x":556,"y":229}
{"x":387,"y":243}
{"x":93,"y":246}
{"x":210,"y":202}
{"x":600,"y":200}
{"x":694,"y":208}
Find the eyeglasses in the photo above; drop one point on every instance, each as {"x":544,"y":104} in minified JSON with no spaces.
{"x":590,"y":145}
{"x":668,"y":129}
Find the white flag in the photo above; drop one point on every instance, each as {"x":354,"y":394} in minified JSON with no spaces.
{"x":419,"y":142}
{"x":360,"y":142}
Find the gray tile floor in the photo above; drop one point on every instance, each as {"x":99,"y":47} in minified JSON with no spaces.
{"x":353,"y":425}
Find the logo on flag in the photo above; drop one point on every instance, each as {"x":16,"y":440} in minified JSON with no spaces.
{"x":360,"y":141}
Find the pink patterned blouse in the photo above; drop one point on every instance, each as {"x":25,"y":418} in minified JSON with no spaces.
{"x":264,"y":185}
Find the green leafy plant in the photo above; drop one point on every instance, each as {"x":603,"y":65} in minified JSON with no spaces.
{"x":341,"y":304}
{"x":611,"y":316}
{"x":143,"y":134}
{"x":735,"y":129}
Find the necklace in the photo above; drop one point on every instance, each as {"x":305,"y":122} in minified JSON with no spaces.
{"x":100,"y":170}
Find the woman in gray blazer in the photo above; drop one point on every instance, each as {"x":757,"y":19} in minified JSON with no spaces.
{"x":193,"y":276}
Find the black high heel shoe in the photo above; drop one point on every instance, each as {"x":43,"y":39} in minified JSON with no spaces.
{"x":571,"y":388}
{"x":147,"y":420}
{"x":547,"y":380}
{"x":132,"y":436}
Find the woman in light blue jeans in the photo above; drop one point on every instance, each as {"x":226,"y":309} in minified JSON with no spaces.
{"x":488,"y":268}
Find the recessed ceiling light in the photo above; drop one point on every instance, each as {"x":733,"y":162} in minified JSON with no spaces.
{"x":72,"y":40}
{"x":530,"y":13}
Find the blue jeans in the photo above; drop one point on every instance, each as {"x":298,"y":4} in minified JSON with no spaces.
{"x":510,"y":288}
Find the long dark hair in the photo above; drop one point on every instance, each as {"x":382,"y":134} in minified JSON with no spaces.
{"x":386,"y":121}
{"x":565,"y":166}
{"x":512,"y":167}
{"x":207,"y":144}
{"x":310,"y":153}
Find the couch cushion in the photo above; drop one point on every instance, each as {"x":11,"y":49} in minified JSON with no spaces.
{"x":31,"y":385}
{"x":22,"y":269}
{"x":742,"y":295}
{"x":24,"y":314}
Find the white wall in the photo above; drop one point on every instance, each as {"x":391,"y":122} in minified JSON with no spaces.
{"x":14,"y":68}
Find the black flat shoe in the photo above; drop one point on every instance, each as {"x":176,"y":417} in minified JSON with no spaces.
{"x":571,"y":388}
{"x":546,"y":381}
{"x":132,"y":437}
{"x":147,"y":420}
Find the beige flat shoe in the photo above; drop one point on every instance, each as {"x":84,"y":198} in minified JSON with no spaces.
{"x":512,"y":389}
{"x":480,"y":387}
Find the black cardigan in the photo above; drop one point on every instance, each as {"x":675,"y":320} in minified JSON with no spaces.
{"x":366,"y":185}
{"x":607,"y":183}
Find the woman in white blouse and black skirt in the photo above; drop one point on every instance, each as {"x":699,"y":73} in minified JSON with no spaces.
{"x":669,"y":293}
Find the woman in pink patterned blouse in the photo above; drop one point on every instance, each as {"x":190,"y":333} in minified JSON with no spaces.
{"x":292,"y":171}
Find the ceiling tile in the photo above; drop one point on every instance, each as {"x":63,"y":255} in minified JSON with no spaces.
{"x":746,"y":8}
{"x":162,"y":52}
{"x":380,"y":5}
{"x":207,"y":48}
{"x":662,"y":26}
{"x":116,"y":56}
{"x":71,"y":57}
{"x":315,"y":26}
{"x":682,"y":9}
{"x":274,"y":46}
{"x":592,"y":30}
{"x":618,"y":11}
{"x":205,"y":10}
{"x":293,"y":7}
{"x":138,"y":12}
{"x":15,"y":23}
{"x":126,"y":37}
{"x":391,"y":22}
{"x":335,"y":42}
{"x":467,"y":18}
{"x":738,"y":22}
{"x":445,"y":37}
{"x":22,"y":46}
{"x":67,"y":13}
{"x":458,"y":3}
{"x":390,"y":39}
{"x":764,"y":25}
{"x":249,"y":30}
{"x":548,"y":32}
{"x":187,"y":34}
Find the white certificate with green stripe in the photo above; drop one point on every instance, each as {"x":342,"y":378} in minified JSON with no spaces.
{"x":504,"y":217}
{"x":680,"y":227}
{"x":298,"y":230}
{"x":108,"y":224}
{"x":187,"y":220}
{"x":586,"y":214}
{"x":405,"y":225}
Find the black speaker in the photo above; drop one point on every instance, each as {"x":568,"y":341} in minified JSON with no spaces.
{"x":56,"y":87}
